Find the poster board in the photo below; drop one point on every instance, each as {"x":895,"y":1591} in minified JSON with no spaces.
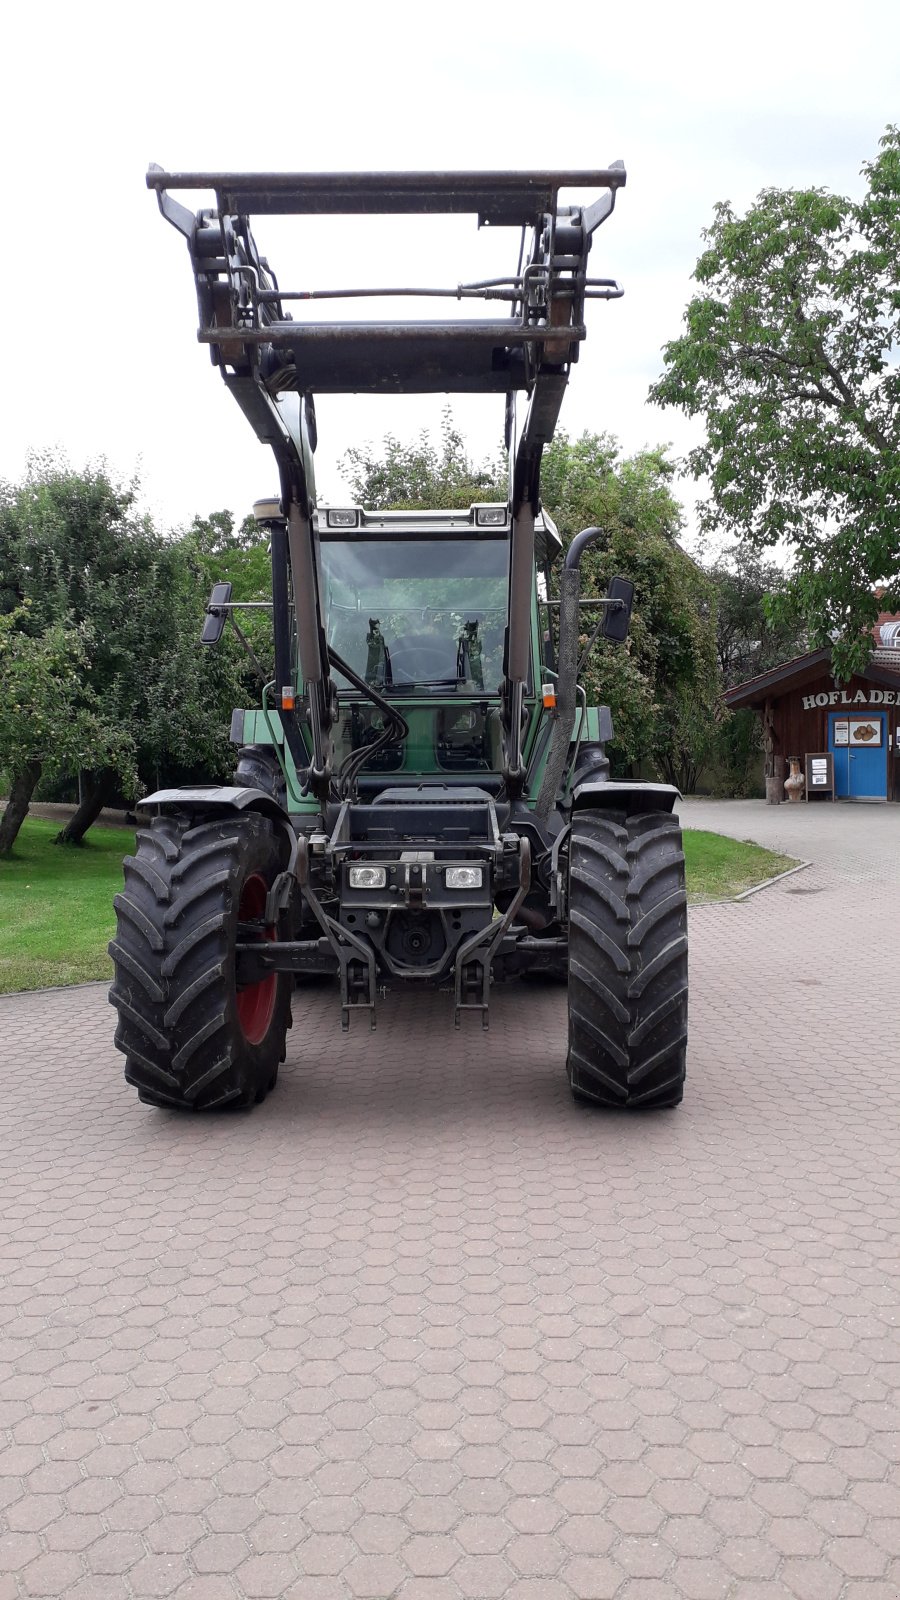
{"x":866,"y":732}
{"x":820,"y":773}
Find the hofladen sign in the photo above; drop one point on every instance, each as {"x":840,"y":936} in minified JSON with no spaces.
{"x":862,"y":697}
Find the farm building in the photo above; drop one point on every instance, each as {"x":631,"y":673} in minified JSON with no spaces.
{"x":843,"y":737}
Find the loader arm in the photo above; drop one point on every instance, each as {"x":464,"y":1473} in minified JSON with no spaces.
{"x":275,"y":363}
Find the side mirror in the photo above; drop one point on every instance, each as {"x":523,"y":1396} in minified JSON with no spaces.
{"x":217,"y":613}
{"x":617,"y":617}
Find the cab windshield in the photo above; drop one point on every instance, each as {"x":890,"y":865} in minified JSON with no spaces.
{"x":417,"y":614}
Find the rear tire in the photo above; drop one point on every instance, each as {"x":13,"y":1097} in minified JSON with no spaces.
{"x":628,"y":978}
{"x":190,"y":1037}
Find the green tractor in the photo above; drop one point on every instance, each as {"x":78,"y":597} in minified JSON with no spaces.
{"x":422,"y":795}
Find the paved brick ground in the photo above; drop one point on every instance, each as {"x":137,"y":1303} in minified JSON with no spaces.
{"x":421,"y":1328}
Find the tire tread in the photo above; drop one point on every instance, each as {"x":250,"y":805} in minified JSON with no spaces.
{"x":173,"y":954}
{"x":627,"y":959}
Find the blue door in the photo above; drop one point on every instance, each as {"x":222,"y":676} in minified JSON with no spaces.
{"x":858,"y":740}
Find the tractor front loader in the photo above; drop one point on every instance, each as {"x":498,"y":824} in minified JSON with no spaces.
{"x":422,"y":795}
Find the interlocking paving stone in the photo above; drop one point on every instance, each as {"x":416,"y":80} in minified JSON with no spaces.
{"x":420,"y":1327}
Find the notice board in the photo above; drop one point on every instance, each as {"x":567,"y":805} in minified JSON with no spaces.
{"x":820,"y":773}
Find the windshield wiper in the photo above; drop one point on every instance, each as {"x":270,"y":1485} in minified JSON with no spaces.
{"x":424,"y":683}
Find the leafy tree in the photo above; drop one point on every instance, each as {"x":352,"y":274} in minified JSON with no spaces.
{"x":755,"y":628}
{"x":790,"y":356}
{"x":662,"y":685}
{"x":404,"y":476}
{"x":736,"y":761}
{"x":220,"y":551}
{"x":239,"y":554}
{"x":49,"y":718}
{"x":75,"y":548}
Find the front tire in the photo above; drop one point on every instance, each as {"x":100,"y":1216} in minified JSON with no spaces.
{"x":191,"y":1037}
{"x":628,"y":978}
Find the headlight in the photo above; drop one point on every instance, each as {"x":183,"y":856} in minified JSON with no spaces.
{"x":368,"y":877}
{"x":464,"y":877}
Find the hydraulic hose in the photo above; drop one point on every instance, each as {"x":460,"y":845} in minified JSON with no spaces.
{"x":395,"y":724}
{"x":370,"y":693}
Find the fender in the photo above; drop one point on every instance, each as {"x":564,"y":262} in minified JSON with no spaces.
{"x":625,"y":797}
{"x":215,"y":797}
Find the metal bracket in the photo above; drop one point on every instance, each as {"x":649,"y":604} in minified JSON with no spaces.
{"x":279,"y":896}
{"x":558,"y":895}
{"x":348,"y":947}
{"x":469,"y":953}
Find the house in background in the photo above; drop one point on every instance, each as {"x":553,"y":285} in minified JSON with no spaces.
{"x":806,"y":712}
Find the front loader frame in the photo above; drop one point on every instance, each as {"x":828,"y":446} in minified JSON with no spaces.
{"x":274,"y":365}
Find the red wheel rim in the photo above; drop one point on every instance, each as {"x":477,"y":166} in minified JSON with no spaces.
{"x":256,"y":1001}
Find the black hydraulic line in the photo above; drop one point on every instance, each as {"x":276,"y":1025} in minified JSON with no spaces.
{"x":370,"y":693}
{"x":396,"y":725}
{"x":303,"y":584}
{"x":550,"y":651}
{"x":281,"y":617}
{"x":296,"y":511}
{"x":281,"y":630}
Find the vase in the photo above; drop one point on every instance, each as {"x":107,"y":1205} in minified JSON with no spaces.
{"x":794,"y":783}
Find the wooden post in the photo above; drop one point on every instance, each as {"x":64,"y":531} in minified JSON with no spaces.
{"x":774,"y":765}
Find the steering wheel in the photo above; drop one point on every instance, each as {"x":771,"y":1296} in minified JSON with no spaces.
{"x":419,"y":660}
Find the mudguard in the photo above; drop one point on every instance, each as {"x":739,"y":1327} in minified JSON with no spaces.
{"x":630,"y":797}
{"x":214,"y":797}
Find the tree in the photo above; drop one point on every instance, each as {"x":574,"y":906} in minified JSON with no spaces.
{"x":790,"y":357}
{"x":755,"y":630}
{"x":662,"y":685}
{"x":404,"y":476}
{"x":219,"y":551}
{"x":240,"y":554}
{"x":75,"y":548}
{"x":49,"y":719}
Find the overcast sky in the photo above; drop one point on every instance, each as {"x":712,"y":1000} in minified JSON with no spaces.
{"x":703,"y":102}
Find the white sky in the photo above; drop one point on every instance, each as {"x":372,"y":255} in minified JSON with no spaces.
{"x":703,"y":101}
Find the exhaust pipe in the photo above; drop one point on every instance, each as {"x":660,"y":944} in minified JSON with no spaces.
{"x":566,"y":699}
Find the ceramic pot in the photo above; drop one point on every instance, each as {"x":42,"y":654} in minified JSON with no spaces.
{"x":794,"y":783}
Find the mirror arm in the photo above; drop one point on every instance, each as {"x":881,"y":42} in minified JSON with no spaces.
{"x":247,"y":648}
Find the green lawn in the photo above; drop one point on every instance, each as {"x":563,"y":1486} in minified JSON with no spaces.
{"x":56,"y":911}
{"x":719,"y":868}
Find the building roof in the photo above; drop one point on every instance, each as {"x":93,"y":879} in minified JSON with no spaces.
{"x":804,"y":669}
{"x":883,"y":617}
